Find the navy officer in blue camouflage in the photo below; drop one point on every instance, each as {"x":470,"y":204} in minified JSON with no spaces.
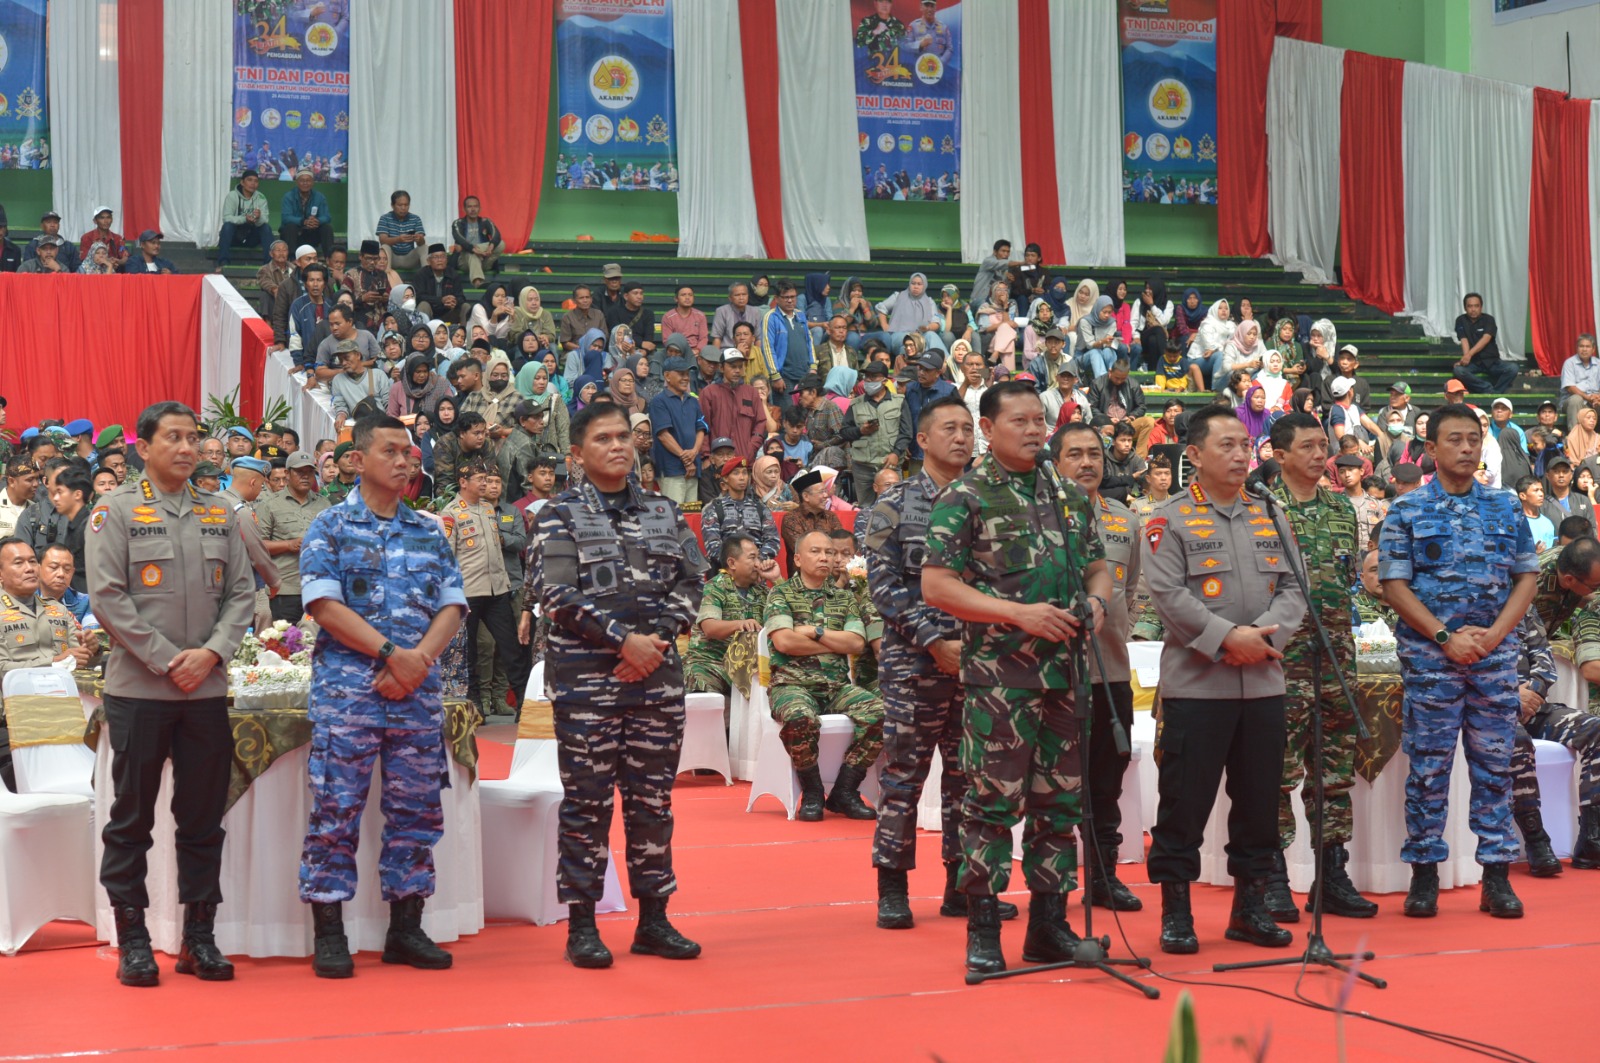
{"x":1458,"y":565}
{"x":383,"y":584}
{"x":620,"y":576}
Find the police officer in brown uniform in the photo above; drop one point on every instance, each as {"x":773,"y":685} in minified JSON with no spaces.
{"x":473,"y":528}
{"x":1220,"y":578}
{"x":171,"y":583}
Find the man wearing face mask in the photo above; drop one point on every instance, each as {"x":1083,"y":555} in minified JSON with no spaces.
{"x":871,"y":427}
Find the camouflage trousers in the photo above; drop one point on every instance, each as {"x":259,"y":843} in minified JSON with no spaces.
{"x":704,"y":676}
{"x":1020,"y":752}
{"x":1477,"y":703}
{"x":632,"y":748}
{"x":1576,"y":729}
{"x":921,"y":713}
{"x":799,"y":711}
{"x":1338,"y":768}
{"x":414,"y":771}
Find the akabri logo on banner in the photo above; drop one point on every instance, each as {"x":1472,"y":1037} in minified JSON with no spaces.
{"x":613,"y":82}
{"x":1171,"y":103}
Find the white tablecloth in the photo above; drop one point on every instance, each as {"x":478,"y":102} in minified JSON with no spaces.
{"x":311,"y":412}
{"x":261,"y":913}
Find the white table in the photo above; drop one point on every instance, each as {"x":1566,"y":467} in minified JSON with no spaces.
{"x":311,"y":412}
{"x":261,"y":913}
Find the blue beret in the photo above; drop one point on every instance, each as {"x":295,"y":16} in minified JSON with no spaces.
{"x":81,"y":427}
{"x":27,"y":434}
{"x":254,"y":465}
{"x":240,"y":430}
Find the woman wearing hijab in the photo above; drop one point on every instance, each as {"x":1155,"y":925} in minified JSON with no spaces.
{"x":525,"y":350}
{"x":1320,"y":369}
{"x":817,"y":308}
{"x":1191,"y":312}
{"x":856,"y":309}
{"x":1122,"y":310}
{"x":955,"y":314}
{"x":647,"y":377}
{"x":1099,"y":343}
{"x":1287,"y":344}
{"x":492,"y":313}
{"x":911,"y":311}
{"x":1080,"y":306}
{"x":765,"y":477}
{"x":1254,"y":413}
{"x":996,"y":325}
{"x":585,"y":395}
{"x":420,"y":341}
{"x":1041,"y":319}
{"x":1304,"y":400}
{"x":441,"y":423}
{"x":1058,"y":295}
{"x":839,"y":385}
{"x":1244,"y":349}
{"x":557,"y":422}
{"x":403,"y":308}
{"x":558,"y":380}
{"x":1205,"y":350}
{"x":622,"y":350}
{"x":418,"y":388}
{"x":530,"y":315}
{"x":1583,"y":441}
{"x":586,"y":361}
{"x":1152,"y":317}
{"x":98,"y":261}
{"x":624,"y":390}
{"x":760,"y":290}
{"x":1273,"y":382}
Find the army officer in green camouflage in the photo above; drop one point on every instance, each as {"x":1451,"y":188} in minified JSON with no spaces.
{"x":1011,"y":549}
{"x":734,"y":602}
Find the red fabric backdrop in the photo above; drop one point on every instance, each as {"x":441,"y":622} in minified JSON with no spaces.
{"x":758,"y":48}
{"x":1560,"y":273}
{"x":500,"y":73}
{"x":255,"y":338}
{"x":112,"y":345}
{"x":1041,"y":201}
{"x":139,"y":80}
{"x":1372,"y":194}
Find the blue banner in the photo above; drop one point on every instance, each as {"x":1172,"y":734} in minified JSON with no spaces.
{"x":24,"y":112}
{"x":1169,"y":101}
{"x":291,"y":88}
{"x":615,"y":96}
{"x":908,"y":98}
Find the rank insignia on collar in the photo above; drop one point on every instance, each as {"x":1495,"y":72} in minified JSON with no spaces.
{"x":1198,"y":493}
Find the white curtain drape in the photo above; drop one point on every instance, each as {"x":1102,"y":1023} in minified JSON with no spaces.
{"x":716,"y":215}
{"x":824,"y":214}
{"x":1083,"y":40}
{"x":196,"y":121}
{"x":991,"y":183}
{"x":222,"y":314}
{"x":402,"y":113}
{"x":1468,"y":148}
{"x":1594,"y":204}
{"x":85,"y":161}
{"x":1303,"y":143}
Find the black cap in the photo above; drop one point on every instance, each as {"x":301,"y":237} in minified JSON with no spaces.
{"x":874,"y":369}
{"x":930,"y":360}
{"x":1348,"y":461}
{"x":435,"y":249}
{"x":1555,"y":459}
{"x":1408,"y":473}
{"x":526,"y":409}
{"x":810,"y":382}
{"x":1546,"y":402}
{"x":369,"y":247}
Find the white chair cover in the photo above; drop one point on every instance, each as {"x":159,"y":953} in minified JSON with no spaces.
{"x":705,"y":738}
{"x":1557,"y":769}
{"x":49,"y":769}
{"x":47,"y":866}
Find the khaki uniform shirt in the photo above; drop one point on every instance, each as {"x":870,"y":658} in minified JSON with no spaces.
{"x":265,"y":564}
{"x":33,"y":632}
{"x":1119,"y":530}
{"x":282,"y":519}
{"x":474,"y":534}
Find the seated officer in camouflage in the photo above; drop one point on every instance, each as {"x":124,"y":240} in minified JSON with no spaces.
{"x":1458,"y":565}
{"x":864,"y":665}
{"x":737,"y":509}
{"x":813,"y":628}
{"x":1576,"y":728}
{"x":380,"y":581}
{"x":1010,"y":547}
{"x":734,"y":602}
{"x":620,"y":576}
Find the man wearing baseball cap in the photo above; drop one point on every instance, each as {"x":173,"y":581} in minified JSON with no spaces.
{"x":732,"y":408}
{"x":1455,"y":392}
{"x":149,"y":259}
{"x":245,"y":220}
{"x":47,"y":252}
{"x":1400,"y":399}
{"x":675,"y":419}
{"x":1560,"y":500}
{"x":102,"y":233}
{"x":1345,"y":417}
{"x":284,"y":518}
{"x":50,"y":226}
{"x":930,"y":386}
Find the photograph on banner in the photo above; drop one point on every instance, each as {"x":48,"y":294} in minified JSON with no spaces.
{"x":908,"y":98}
{"x":1169,"y":101}
{"x":615,"y":96}
{"x":291,"y":88}
{"x":1516,"y":10}
{"x":24,"y":112}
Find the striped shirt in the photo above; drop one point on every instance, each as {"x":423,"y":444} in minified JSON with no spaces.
{"x":389,"y":225}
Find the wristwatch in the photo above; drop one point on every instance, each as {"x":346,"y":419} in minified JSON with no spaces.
{"x":1442,"y":636}
{"x":386,"y":650}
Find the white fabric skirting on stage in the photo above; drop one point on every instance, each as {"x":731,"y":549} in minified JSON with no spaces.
{"x":311,"y":412}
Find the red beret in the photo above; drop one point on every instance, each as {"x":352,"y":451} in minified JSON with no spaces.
{"x":732,"y":464}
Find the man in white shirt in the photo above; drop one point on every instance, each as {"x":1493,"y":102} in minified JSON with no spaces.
{"x":22,"y":480}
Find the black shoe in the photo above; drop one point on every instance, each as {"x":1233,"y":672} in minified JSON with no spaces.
{"x":1278,"y":899}
{"x":810,"y":810}
{"x":983,"y":936}
{"x":1586,"y":854}
{"x":894,"y":906}
{"x":657,"y":937}
{"x":1542,"y":860}
{"x":1250,"y":921}
{"x":1422,"y":899}
{"x":1106,"y":890}
{"x":584,"y":947}
{"x":845,"y":799}
{"x":332,"y":956}
{"x":406,"y":943}
{"x":199,"y":955}
{"x":1339,"y":894}
{"x":1497,"y":897}
{"x":954,"y":905}
{"x":1177,"y":922}
{"x":136,"y":961}
{"x":1050,"y":939}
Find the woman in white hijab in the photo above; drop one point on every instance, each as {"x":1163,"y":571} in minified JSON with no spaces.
{"x":1492,"y":457}
{"x":1273,"y":383}
{"x":1080,"y":306}
{"x":1214,"y":332}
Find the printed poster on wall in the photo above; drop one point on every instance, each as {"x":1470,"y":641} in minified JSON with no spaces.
{"x":908,"y":98}
{"x":24,"y":114}
{"x":1516,"y":10}
{"x":615,"y":96}
{"x":1169,"y":101}
{"x":291,"y":88}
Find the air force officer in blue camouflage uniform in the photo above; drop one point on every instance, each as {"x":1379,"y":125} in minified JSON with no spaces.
{"x":382,"y":582}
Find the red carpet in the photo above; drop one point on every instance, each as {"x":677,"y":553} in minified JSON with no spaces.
{"x":795,"y":969}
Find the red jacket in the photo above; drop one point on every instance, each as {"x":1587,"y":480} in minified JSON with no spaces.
{"x":737,"y":413}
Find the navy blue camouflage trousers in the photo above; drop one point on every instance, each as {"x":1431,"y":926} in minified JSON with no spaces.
{"x":921,"y":714}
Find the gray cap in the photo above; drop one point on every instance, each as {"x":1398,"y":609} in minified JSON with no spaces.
{"x":1409,"y":473}
{"x":720,"y":442}
{"x":300,"y":460}
{"x":675,"y":365}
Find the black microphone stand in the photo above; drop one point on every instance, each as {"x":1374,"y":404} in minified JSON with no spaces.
{"x":1316,"y":950}
{"x":1091,"y":953}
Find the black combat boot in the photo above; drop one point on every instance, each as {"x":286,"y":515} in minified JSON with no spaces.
{"x":1279,"y":901}
{"x":1586,"y":854}
{"x":845,"y":798}
{"x":810,"y":810}
{"x":331,"y":958}
{"x":406,"y":943}
{"x":1250,"y":921}
{"x":1339,"y":894}
{"x":955,"y":902}
{"x":584,"y":947}
{"x":1497,"y":897}
{"x":1542,"y":860}
{"x":1422,"y":899}
{"x":136,"y":961}
{"x":1050,"y":939}
{"x":983,"y":936}
{"x":894,"y":904}
{"x":654,"y":936}
{"x":1106,"y":890}
{"x":199,"y":955}
{"x":1177,"y":922}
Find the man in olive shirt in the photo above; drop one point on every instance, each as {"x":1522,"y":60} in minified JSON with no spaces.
{"x":284,"y":518}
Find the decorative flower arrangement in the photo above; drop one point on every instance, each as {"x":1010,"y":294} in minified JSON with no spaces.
{"x":283,"y":640}
{"x":1376,"y":649}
